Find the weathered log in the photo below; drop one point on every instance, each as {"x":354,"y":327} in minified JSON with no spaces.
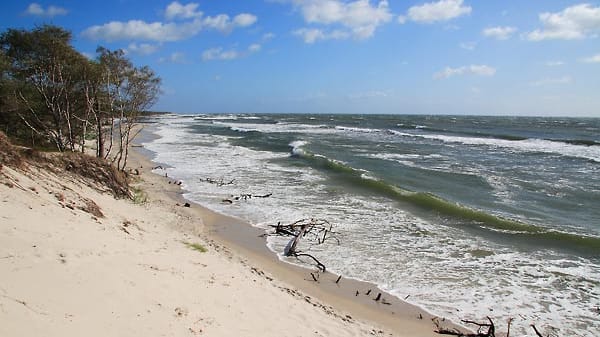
{"x":290,"y":248}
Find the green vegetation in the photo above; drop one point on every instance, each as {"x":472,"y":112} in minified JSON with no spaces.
{"x":51,"y":95}
{"x":139,"y":196}
{"x":196,"y":246}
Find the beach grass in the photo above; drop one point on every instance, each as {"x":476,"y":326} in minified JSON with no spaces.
{"x":139,"y":196}
{"x":196,"y":246}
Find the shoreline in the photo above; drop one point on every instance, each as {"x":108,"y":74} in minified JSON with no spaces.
{"x":348,"y":295}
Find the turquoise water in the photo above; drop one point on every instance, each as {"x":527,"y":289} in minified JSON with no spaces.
{"x":470,"y":216}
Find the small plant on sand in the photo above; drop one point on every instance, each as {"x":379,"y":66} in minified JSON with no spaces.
{"x":196,"y":246}
{"x":139,"y":196}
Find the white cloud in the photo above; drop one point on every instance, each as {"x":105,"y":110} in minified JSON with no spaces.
{"x":359,"y":18}
{"x":552,"y":81}
{"x":142,"y":48}
{"x":554,"y":63}
{"x":219,"y":53}
{"x":254,"y":48}
{"x":312,"y":35}
{"x":224,"y":24}
{"x":169,"y":31}
{"x":52,"y":11}
{"x":468,"y":45}
{"x":499,"y":33}
{"x":442,"y":10}
{"x":592,"y":59}
{"x":141,"y":30}
{"x":244,"y":20}
{"x":175,"y":10}
{"x":575,"y":22}
{"x":481,"y":70}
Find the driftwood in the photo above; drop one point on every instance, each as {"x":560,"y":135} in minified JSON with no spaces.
{"x":481,"y":330}
{"x":539,"y":334}
{"x":219,"y":182}
{"x":491,"y":329}
{"x":317,"y":231}
{"x":231,"y":199}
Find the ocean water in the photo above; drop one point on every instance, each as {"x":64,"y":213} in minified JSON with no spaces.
{"x":466,"y":216}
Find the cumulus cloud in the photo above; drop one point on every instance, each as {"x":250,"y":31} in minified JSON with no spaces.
{"x":575,"y":22}
{"x":312,"y":35}
{"x":254,"y":48}
{"x":141,"y":30}
{"x":432,"y":12}
{"x":592,"y":59}
{"x":358,"y":18}
{"x":224,"y":23}
{"x":481,"y":70}
{"x":552,"y":81}
{"x":36,"y":9}
{"x":499,"y":33}
{"x":218,"y":53}
{"x":142,"y":48}
{"x":175,"y":10}
{"x":193,"y":22}
{"x":244,"y":20}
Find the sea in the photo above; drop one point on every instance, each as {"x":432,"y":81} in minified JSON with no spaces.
{"x":465,"y":216}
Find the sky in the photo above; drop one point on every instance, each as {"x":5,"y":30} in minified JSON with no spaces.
{"x":486,"y":57}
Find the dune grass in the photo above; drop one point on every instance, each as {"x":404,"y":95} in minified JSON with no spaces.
{"x":196,"y":246}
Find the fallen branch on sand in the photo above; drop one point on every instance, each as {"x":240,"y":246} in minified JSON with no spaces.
{"x":317,"y":231}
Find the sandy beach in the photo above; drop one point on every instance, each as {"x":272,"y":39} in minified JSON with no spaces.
{"x":154,"y":267}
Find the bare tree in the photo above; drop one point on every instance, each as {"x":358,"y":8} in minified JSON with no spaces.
{"x":128,"y":92}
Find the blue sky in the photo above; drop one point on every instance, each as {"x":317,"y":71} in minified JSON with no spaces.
{"x":347,"y":56}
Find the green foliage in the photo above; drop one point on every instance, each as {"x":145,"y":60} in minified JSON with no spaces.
{"x":51,"y":94}
{"x":196,"y":246}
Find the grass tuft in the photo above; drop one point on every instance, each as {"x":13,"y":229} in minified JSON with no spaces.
{"x":139,"y":196}
{"x":196,"y":246}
